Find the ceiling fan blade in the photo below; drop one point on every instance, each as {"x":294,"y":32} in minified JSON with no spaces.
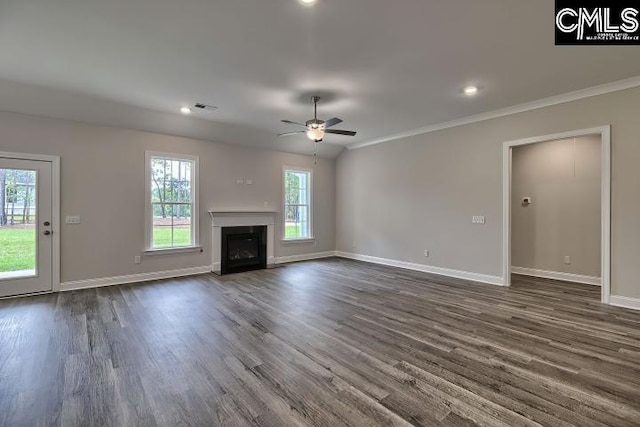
{"x":291,"y":133}
{"x":332,"y":122}
{"x":341,"y":132}
{"x":289,"y":122}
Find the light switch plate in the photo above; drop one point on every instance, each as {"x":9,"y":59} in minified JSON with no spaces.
{"x":478,"y":220}
{"x":72,"y":220}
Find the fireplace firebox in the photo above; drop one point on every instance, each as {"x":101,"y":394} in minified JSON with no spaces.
{"x":243,"y":249}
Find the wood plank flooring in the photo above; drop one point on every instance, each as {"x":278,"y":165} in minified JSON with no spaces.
{"x":323,"y":343}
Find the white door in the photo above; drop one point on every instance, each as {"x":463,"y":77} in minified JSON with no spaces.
{"x":26,"y":244}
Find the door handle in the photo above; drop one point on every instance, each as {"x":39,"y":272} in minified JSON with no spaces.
{"x":47,"y":232}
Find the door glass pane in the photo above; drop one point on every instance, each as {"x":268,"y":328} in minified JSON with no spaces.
{"x":17,"y":223}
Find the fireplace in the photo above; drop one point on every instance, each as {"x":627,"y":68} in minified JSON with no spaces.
{"x":229,"y":218}
{"x":243,"y":249}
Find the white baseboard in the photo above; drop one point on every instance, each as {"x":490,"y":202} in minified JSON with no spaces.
{"x":557,"y":275}
{"x":466,"y":275}
{"x":626,"y":302}
{"x":305,"y":257}
{"x":133,"y":278}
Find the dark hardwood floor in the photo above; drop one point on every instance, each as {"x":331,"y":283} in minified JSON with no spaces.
{"x":324,"y":343}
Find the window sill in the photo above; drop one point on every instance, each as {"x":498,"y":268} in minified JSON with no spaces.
{"x":172,"y":251}
{"x":294,"y":241}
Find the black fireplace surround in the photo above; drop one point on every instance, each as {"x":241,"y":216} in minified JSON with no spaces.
{"x":243,"y":249}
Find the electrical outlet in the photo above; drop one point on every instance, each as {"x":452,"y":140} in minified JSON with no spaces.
{"x":248,"y":181}
{"x":426,"y":253}
{"x":567,"y":260}
{"x":355,"y":244}
{"x":239,"y":181}
{"x":137,"y":259}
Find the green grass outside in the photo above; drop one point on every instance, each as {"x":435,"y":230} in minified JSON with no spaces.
{"x":17,"y":249}
{"x":162,"y":237}
{"x":292,"y":231}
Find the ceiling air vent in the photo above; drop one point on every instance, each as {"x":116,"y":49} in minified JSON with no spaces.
{"x":205,"y":107}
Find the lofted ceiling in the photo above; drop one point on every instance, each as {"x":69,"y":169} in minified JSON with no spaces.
{"x":384,"y":66}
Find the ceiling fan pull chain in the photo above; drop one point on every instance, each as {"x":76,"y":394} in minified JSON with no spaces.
{"x":315,"y":152}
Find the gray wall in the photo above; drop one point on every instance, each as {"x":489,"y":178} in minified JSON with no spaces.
{"x":102,"y":167}
{"x":563,"y":179}
{"x":397,"y":199}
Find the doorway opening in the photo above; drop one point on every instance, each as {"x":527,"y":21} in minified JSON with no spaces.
{"x":557,"y":208}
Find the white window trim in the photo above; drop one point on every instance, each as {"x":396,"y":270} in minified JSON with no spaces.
{"x":195,"y":212}
{"x":311,"y":237}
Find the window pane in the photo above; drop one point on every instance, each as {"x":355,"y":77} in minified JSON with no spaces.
{"x":17,"y":223}
{"x":304,"y":221}
{"x":171,"y":226}
{"x":292,"y":196}
{"x":180,"y":182}
{"x":303,"y":177}
{"x":292,"y":185}
{"x":162,"y":226}
{"x":171,"y":180}
{"x":182,"y":230}
{"x":158,"y":180}
{"x":292,"y":230}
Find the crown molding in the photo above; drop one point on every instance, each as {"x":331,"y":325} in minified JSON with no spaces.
{"x":520,"y":108}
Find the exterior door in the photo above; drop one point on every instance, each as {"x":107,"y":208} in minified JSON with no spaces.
{"x":26,"y":244}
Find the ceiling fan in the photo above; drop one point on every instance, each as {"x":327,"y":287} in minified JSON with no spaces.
{"x":316,"y":128}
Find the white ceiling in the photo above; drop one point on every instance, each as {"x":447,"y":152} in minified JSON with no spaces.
{"x":388,"y":66}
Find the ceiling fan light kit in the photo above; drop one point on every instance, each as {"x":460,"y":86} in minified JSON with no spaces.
{"x":315,"y":134}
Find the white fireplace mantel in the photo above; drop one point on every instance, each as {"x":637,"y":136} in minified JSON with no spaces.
{"x":241,"y":218}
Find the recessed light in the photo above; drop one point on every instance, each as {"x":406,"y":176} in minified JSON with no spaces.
{"x":471,"y":90}
{"x":185,"y":110}
{"x":308,"y":2}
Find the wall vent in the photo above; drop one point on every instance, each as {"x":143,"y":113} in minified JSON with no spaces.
{"x":205,"y":107}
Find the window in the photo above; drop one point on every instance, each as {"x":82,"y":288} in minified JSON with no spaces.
{"x":172,"y":206}
{"x":297,"y":204}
